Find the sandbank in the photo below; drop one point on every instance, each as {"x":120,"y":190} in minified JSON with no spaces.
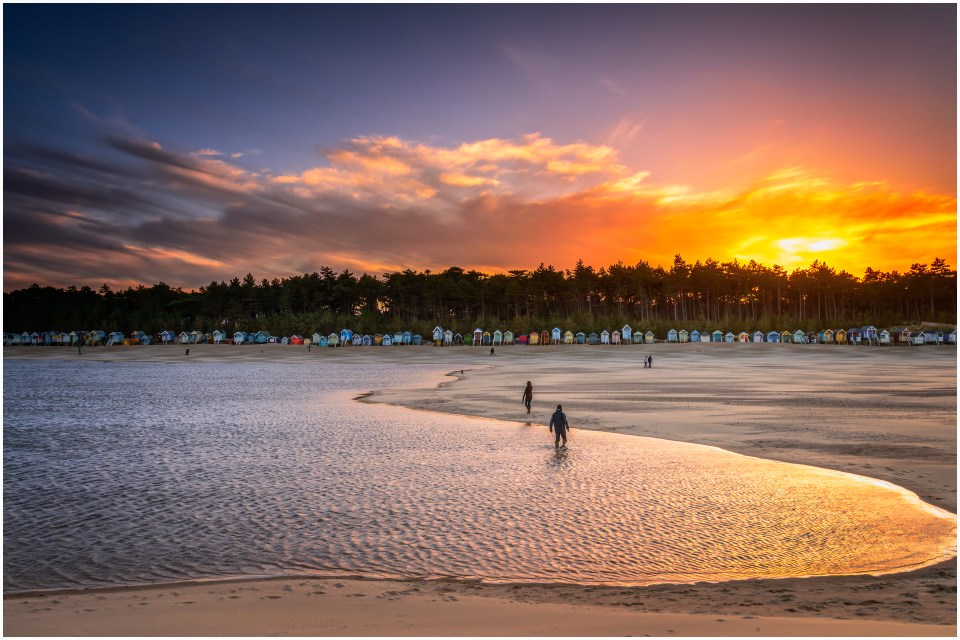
{"x":883,"y":412}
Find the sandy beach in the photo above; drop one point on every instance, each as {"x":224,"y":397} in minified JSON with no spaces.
{"x":886,"y":413}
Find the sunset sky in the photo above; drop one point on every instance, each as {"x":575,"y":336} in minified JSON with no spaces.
{"x":182,"y":144}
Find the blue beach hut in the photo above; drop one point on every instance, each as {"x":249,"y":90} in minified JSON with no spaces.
{"x":695,"y":336}
{"x":593,"y":338}
{"x":773,"y":336}
{"x":556,"y":335}
{"x":581,"y":337}
{"x":497,"y":338}
{"x":716,"y":336}
{"x":672,"y":336}
{"x":626,"y":334}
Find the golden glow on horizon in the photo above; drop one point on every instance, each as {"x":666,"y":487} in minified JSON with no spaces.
{"x":589,"y":206}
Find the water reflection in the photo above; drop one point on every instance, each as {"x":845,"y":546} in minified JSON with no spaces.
{"x":215,"y":470}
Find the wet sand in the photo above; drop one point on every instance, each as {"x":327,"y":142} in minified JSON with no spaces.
{"x":888,"y":413}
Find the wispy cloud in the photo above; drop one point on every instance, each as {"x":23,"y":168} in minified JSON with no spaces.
{"x":381,"y":202}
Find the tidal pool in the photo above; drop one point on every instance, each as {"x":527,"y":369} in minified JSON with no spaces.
{"x":135,"y":473}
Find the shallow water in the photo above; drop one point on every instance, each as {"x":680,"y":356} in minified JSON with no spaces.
{"x":118,"y":474}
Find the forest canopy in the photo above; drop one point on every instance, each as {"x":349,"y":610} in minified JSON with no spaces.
{"x":709,"y":295}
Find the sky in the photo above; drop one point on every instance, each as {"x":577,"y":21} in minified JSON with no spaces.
{"x":190,"y":144}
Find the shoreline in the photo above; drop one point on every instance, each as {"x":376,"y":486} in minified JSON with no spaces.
{"x":918,"y":602}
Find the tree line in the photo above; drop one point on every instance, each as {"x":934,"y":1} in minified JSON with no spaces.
{"x":707,"y":295}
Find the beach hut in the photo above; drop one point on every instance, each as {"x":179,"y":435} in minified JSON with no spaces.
{"x":683,"y":336}
{"x":649,"y":338}
{"x":146,"y":340}
{"x":604,"y":337}
{"x":544,"y":337}
{"x":637,"y":337}
{"x":378,"y":339}
{"x":884,"y":337}
{"x":521,"y":339}
{"x":367,"y":340}
{"x":437,"y":336}
{"x":672,"y":336}
{"x":457,"y":339}
{"x":556,"y":335}
{"x":533,"y":338}
{"x":196,"y":337}
{"x":825,"y":336}
{"x":346,"y":337}
{"x":900,"y":335}
{"x":716,"y":336}
{"x":593,"y":339}
{"x":262,"y":337}
{"x":333,"y":340}
{"x":626,"y":334}
{"x":448,"y":337}
{"x":239,"y":337}
{"x":12,"y":339}
{"x":918,"y":337}
{"x":773,"y":336}
{"x":696,"y":336}
{"x":786,"y":337}
{"x":114,"y":337}
{"x":487,"y":339}
{"x":952,"y":337}
{"x":322,"y":342}
{"x":296,"y":339}
{"x":356,"y":340}
{"x":219,"y":336}
{"x":417,"y":340}
{"x":854,"y":335}
{"x":477,"y":336}
{"x":798,"y":337}
{"x":580,"y":338}
{"x":729,"y":337}
{"x":387,"y":340}
{"x":397,"y":338}
{"x":136,"y":337}
{"x":284,"y":340}
{"x":275,"y":340}
{"x":568,"y":337}
{"x":497,"y":338}
{"x":508,"y":337}
{"x":743,"y":336}
{"x":756,"y":336}
{"x":868,"y":333}
{"x":407,"y":338}
{"x":615,"y":337}
{"x":840,"y":336}
{"x":183,"y":338}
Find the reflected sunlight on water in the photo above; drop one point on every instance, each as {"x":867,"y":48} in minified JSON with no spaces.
{"x":138,"y":473}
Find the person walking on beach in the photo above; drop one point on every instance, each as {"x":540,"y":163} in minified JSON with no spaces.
{"x":645,"y":362}
{"x":650,"y":361}
{"x":528,"y":395}
{"x":558,"y":422}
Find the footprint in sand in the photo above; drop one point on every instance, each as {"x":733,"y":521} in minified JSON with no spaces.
{"x":270,"y":597}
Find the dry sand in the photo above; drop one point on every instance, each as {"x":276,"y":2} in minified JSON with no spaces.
{"x":888,"y":413}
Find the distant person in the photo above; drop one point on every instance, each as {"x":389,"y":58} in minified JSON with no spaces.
{"x":558,"y":421}
{"x":528,"y":395}
{"x":645,"y":362}
{"x":491,"y":351}
{"x":650,"y":361}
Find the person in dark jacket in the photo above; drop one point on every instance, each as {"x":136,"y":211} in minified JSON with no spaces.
{"x":528,"y":395}
{"x":558,"y":422}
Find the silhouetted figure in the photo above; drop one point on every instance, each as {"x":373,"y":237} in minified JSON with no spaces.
{"x":187,"y":353}
{"x":650,"y":361}
{"x":558,"y":422}
{"x":528,"y":395}
{"x":491,"y":351}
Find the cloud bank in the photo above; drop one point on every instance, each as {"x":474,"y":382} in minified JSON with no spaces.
{"x":142,"y":213}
